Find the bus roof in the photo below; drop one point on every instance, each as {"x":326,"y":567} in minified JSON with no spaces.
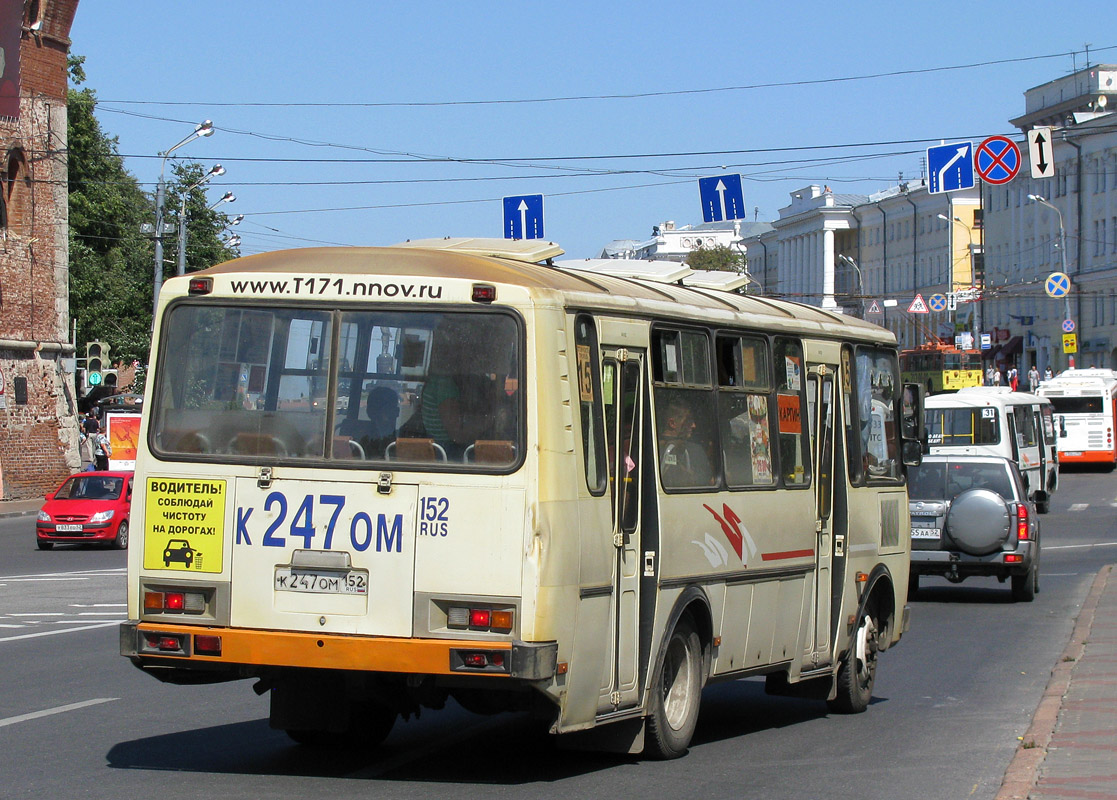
{"x":983,"y":396}
{"x":1083,"y":377}
{"x":508,"y":262}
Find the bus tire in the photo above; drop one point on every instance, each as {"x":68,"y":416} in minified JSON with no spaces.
{"x":858,"y":670}
{"x":675,"y":694}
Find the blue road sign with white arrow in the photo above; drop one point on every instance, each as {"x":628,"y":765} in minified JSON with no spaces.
{"x":523,"y":217}
{"x":950,"y":167}
{"x":723,"y":198}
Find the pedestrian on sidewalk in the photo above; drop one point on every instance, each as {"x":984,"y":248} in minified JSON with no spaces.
{"x":102,"y":450}
{"x":1033,"y":379}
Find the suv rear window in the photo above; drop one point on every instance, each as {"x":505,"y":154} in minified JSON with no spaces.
{"x":945,"y":480}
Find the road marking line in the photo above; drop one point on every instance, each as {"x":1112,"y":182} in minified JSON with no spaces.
{"x":98,"y":605}
{"x":35,"y":614}
{"x":1079,"y":546}
{"x":1078,"y":507}
{"x":92,"y":572}
{"x":56,"y":710}
{"x":52,"y":633}
{"x":101,"y":613}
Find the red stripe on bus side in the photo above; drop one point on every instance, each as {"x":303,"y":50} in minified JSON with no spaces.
{"x":787,"y":554}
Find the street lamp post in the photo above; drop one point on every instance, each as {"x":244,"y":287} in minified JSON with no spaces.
{"x":1035,"y":198}
{"x":215,"y":171}
{"x":849,"y":262}
{"x":201,"y":129}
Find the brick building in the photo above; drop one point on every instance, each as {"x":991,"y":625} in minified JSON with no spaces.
{"x":38,"y":412}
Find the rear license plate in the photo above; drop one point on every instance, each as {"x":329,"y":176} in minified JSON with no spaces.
{"x":926,"y":533}
{"x":353,"y":581}
{"x":1072,"y":453}
{"x":67,"y":528}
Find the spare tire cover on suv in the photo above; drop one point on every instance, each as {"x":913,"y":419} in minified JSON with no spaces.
{"x":978,"y":521}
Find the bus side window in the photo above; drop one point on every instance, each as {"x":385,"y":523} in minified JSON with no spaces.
{"x":794,"y":462}
{"x":684,"y":404}
{"x":852,"y":439}
{"x":589,"y":403}
{"x":744,"y":388}
{"x":877,"y":385}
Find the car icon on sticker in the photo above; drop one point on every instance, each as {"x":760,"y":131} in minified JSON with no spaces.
{"x":178,"y":550}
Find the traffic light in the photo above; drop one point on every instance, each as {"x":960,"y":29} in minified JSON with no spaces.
{"x":978,"y":268}
{"x":96,"y":363}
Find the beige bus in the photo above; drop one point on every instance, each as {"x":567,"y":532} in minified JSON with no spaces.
{"x":372,"y":479}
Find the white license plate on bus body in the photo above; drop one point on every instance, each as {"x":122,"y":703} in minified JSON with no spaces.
{"x":67,"y":528}
{"x":926,"y":533}
{"x":354,"y":581}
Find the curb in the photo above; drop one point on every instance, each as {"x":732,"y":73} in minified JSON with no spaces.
{"x":1023,"y":772}
{"x":27,"y":513}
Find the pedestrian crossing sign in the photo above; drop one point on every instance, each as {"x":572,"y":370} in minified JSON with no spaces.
{"x":918,"y":306}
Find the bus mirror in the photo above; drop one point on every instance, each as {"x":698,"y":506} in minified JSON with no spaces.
{"x":911,"y":414}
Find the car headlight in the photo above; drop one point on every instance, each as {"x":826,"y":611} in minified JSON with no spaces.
{"x":102,"y":516}
{"x":43,"y":517}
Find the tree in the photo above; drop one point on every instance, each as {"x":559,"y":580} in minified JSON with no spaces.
{"x":110,"y":289}
{"x":719,"y":257}
{"x":111,"y":275}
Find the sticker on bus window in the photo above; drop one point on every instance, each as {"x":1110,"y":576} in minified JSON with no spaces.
{"x":789,"y":413}
{"x":988,"y":413}
{"x":184,"y":524}
{"x":585,"y":373}
{"x":791,"y":367}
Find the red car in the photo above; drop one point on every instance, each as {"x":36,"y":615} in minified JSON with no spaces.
{"x":88,"y":507}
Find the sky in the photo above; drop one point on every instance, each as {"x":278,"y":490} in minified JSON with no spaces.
{"x":361,"y":123}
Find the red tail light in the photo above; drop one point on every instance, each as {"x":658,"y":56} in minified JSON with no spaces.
{"x":1022,"y":522}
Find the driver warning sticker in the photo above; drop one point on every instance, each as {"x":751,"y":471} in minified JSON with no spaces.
{"x":185,"y":524}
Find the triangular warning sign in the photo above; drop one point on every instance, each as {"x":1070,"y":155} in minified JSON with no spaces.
{"x":918,"y":306}
{"x":874,"y":308}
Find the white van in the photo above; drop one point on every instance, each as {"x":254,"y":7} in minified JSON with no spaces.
{"x":997,"y":421}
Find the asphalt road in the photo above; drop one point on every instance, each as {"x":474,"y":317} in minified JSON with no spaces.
{"x":77,"y":720}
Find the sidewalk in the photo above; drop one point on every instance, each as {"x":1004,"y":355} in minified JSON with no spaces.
{"x":1070,"y":750}
{"x":20,"y":508}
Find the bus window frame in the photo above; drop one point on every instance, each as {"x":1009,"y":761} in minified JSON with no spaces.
{"x":335,"y":310}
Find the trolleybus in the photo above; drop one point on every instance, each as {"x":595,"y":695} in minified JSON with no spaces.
{"x":371,"y":479}
{"x":941,"y":367}
{"x":1085,"y":405}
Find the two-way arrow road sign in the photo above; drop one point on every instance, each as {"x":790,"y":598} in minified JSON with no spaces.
{"x":1041,"y":152}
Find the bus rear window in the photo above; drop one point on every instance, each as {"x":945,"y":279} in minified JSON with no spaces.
{"x":1076,"y":405}
{"x":958,"y":427}
{"x":368,"y":387}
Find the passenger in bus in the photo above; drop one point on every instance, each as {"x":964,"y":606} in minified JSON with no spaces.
{"x":379,"y":430}
{"x":683,"y":461}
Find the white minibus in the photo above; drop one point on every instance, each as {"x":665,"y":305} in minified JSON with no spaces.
{"x":986,"y":420}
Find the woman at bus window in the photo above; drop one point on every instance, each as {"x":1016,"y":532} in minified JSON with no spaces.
{"x":683,"y":460}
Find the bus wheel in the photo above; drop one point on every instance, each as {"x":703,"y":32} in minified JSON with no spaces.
{"x":858,"y":670}
{"x":675,"y":694}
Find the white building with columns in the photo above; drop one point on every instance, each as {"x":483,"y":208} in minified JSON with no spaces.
{"x":863,"y":253}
